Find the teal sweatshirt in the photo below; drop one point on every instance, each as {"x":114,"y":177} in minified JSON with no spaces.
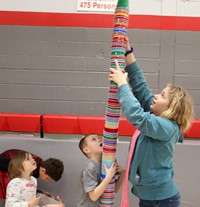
{"x":151,"y":171}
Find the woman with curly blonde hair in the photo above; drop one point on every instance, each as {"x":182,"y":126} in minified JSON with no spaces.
{"x":162,"y":119}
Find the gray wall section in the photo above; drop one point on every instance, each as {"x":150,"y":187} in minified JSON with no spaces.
{"x":186,"y":168}
{"x":65,"y":70}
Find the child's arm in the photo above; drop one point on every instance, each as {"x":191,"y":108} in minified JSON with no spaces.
{"x":33,"y":201}
{"x":99,"y":190}
{"x":119,"y":181}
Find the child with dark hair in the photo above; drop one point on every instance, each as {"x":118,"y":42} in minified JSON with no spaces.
{"x":91,"y":186}
{"x":53,"y":168}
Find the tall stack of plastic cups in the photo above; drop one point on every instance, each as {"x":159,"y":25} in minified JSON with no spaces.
{"x":113,"y":110}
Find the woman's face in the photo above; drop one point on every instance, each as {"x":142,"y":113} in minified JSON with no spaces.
{"x":161,"y":102}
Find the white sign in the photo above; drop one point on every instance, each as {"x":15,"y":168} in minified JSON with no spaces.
{"x":97,"y":5}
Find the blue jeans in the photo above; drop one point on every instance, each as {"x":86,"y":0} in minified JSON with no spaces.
{"x":174,"y":201}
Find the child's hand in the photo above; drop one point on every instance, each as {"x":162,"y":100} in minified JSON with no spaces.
{"x":57,"y":198}
{"x":34,"y":201}
{"x":61,"y":204}
{"x":110,"y":172}
{"x":55,"y":205}
{"x":119,"y":168}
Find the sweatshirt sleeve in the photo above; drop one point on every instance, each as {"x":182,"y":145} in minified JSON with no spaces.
{"x":139,"y":86}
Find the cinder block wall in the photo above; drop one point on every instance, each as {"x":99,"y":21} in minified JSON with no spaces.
{"x":186,"y":171}
{"x":65,"y":70}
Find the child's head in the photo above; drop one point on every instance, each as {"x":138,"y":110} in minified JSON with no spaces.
{"x":90,"y":145}
{"x":51,"y":169}
{"x":180,"y":108}
{"x":21,"y":163}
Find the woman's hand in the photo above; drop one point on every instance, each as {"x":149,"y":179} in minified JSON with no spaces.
{"x":117,"y":75}
{"x":130,"y":58}
{"x":128,"y":47}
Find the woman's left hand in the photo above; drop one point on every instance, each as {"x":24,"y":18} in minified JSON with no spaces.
{"x":117,"y":75}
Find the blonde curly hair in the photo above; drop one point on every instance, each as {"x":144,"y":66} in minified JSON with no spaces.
{"x":180,"y":107}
